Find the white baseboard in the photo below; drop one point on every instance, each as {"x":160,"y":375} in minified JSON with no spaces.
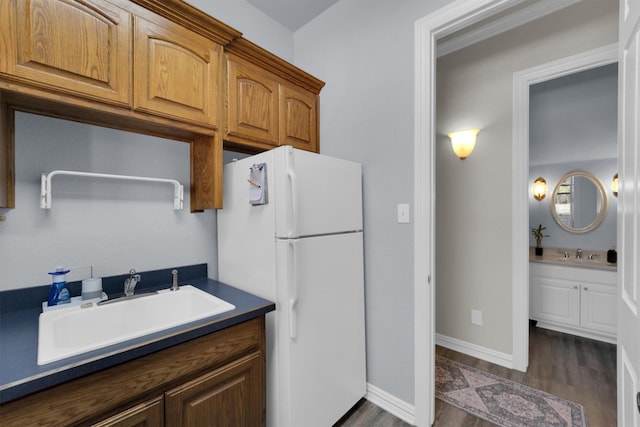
{"x":391,"y":404}
{"x":475,"y":350}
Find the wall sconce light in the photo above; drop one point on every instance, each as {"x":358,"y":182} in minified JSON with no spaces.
{"x":463,"y":142}
{"x":539,"y":188}
{"x":614,"y":185}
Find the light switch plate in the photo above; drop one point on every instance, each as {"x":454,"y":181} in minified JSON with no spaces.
{"x":404,"y":216}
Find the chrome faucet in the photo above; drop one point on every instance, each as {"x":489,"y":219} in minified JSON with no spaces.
{"x":579,"y":253}
{"x":174,"y":285}
{"x":130,"y":283}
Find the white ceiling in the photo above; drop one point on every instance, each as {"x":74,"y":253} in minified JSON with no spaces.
{"x":292,"y":14}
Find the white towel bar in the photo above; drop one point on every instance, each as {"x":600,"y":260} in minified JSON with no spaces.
{"x":45,"y":187}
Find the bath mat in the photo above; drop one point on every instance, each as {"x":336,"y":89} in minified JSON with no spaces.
{"x":500,"y":401}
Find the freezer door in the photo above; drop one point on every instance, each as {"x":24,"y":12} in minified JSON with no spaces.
{"x":316,"y":194}
{"x":321,"y":309}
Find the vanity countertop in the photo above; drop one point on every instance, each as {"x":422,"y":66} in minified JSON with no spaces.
{"x":20,"y":374}
{"x":557,"y":256}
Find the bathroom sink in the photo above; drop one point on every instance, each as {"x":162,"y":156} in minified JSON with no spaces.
{"x":75,"y":330}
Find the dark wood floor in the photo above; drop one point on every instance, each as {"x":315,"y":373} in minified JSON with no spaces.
{"x":577,"y":369}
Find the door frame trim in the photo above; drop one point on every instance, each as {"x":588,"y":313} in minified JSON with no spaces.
{"x":593,"y":58}
{"x":427,"y":31}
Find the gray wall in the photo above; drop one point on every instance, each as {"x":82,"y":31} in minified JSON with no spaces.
{"x":573,"y":126}
{"x":474,"y":196}
{"x":114,"y":227}
{"x":363,"y":50}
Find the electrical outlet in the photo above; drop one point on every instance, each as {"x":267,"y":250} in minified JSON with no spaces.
{"x":403,"y":213}
{"x":476,"y":317}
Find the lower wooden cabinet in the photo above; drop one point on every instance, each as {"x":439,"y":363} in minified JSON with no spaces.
{"x":224,"y":397}
{"x":579,"y":301}
{"x":147,"y":414}
{"x":215,"y":380}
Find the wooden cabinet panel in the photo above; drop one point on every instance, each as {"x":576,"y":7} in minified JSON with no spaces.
{"x":263,"y":111}
{"x":147,"y":414}
{"x":75,"y":47}
{"x":177,"y":73}
{"x":298,"y":118}
{"x":252,"y":104}
{"x":229,"y":396}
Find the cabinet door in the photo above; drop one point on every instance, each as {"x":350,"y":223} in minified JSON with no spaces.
{"x":176,"y":73}
{"x":230,"y":396}
{"x":599,"y":307}
{"x":556,"y":300}
{"x":252,"y":104}
{"x":298,"y":118}
{"x":147,"y":414}
{"x":81,"y":48}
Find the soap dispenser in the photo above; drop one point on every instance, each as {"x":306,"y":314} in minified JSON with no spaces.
{"x":59,"y":292}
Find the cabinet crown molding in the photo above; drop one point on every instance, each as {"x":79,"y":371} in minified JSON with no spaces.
{"x":192,"y":18}
{"x":253,"y":53}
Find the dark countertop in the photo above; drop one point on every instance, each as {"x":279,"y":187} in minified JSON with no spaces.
{"x":20,"y":374}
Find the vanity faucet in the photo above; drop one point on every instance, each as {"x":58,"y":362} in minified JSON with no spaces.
{"x":130,"y":283}
{"x":579,"y":253}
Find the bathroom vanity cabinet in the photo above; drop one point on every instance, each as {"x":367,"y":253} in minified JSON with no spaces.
{"x":579,"y":301}
{"x":217,"y":379}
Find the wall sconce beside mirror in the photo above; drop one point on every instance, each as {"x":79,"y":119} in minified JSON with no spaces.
{"x":614,"y":185}
{"x":463,"y":142}
{"x":578,"y":202}
{"x":539,"y":188}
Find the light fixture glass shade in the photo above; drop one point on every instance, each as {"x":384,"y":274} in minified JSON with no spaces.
{"x":463,"y":142}
{"x":614,"y":185}
{"x":539,"y":188}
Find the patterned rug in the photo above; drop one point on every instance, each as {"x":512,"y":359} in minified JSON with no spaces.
{"x":500,"y":401}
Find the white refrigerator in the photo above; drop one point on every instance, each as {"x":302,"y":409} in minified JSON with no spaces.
{"x":291,"y":231}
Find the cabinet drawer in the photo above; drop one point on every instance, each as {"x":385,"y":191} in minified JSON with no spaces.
{"x":77,"y":48}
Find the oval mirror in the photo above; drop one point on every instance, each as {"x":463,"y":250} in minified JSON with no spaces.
{"x":578,"y":202}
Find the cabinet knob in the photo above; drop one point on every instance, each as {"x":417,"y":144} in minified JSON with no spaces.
{"x":586,"y":289}
{"x":575,"y":287}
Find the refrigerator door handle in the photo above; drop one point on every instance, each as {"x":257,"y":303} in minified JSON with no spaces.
{"x":293,"y":292}
{"x":293,"y":180}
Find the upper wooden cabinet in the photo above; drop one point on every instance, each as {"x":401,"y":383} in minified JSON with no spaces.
{"x":269,"y":102}
{"x":252,"y":104}
{"x":76,"y":47}
{"x":264,"y":111}
{"x":177,"y":72}
{"x":298,"y":118}
{"x":155,"y":67}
